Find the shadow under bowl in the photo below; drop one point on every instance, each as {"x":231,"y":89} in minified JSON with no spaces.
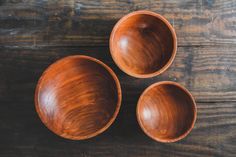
{"x":78,"y":97}
{"x":143,"y":44}
{"x":166,"y":111}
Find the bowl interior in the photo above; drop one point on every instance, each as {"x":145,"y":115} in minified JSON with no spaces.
{"x":77,"y":97}
{"x":166,"y":112}
{"x":142,"y":44}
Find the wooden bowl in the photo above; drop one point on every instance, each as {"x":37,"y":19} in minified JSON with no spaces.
{"x":166,"y":111}
{"x":78,"y":97}
{"x":143,"y":44}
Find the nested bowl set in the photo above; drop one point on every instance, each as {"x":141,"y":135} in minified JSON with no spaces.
{"x":79,"y":97}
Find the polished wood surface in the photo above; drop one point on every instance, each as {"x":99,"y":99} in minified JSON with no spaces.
{"x":78,"y":97}
{"x":36,"y":33}
{"x":166,"y":111}
{"x":25,"y":135}
{"x":143,"y":44}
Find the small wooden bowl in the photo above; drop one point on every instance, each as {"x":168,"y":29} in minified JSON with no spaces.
{"x":143,"y":44}
{"x":78,"y":97}
{"x":166,"y":111}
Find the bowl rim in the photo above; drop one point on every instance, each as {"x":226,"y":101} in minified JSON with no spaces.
{"x":166,"y":22}
{"x":118,"y":104}
{"x":194,"y":107}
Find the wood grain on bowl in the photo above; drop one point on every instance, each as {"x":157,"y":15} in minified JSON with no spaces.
{"x":35,"y":33}
{"x":166,"y":111}
{"x":143,"y":44}
{"x":78,"y":97}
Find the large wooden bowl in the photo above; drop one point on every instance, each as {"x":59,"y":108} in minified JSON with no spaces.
{"x":143,"y":44}
{"x":78,"y":97}
{"x":166,"y":111}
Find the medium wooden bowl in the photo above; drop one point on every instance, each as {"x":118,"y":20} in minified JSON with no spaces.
{"x":166,"y":111}
{"x":78,"y":97}
{"x":143,"y":44}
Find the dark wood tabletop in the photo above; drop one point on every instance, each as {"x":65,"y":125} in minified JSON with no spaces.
{"x":35,"y":33}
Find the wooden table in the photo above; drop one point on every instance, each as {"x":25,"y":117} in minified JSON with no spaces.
{"x":35,"y":33}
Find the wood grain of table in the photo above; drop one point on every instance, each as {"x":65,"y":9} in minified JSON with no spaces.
{"x":35,"y":33}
